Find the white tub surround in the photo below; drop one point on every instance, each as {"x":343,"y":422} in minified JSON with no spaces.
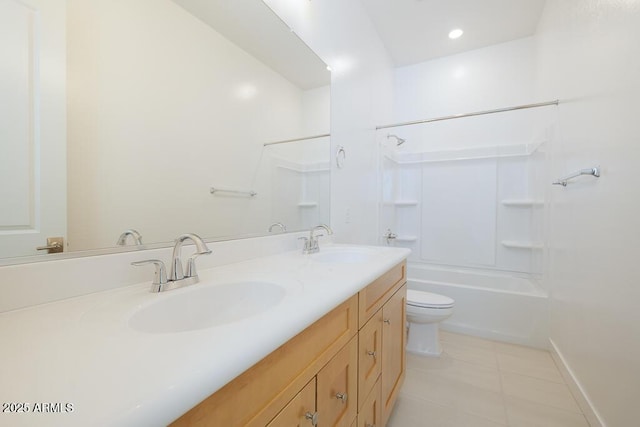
{"x":494,"y":305}
{"x":81,"y":351}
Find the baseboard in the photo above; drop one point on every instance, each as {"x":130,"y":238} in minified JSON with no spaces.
{"x":576,"y":389}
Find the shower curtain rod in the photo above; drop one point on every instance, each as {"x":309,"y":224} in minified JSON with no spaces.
{"x":477,"y":113}
{"x":297,"y":139}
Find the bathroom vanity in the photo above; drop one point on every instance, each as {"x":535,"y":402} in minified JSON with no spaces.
{"x":345,"y":368}
{"x":287,"y":339}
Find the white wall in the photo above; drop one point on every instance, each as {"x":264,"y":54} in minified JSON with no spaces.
{"x":493,"y":77}
{"x":341,"y":33}
{"x":588,"y":57}
{"x":316,"y":111}
{"x":159,"y":107}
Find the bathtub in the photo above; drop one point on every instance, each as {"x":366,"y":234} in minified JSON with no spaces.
{"x":495,"y":305}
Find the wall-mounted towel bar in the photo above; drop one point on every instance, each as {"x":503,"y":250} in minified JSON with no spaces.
{"x":250,"y":193}
{"x":595,"y":171}
{"x":286,"y":141}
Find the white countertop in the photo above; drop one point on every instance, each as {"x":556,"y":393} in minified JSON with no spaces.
{"x":82,"y":351}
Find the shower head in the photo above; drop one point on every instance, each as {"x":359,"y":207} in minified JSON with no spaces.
{"x":399,"y":141}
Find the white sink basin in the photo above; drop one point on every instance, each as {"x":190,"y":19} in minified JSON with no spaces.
{"x":204,"y":306}
{"x":343,"y":255}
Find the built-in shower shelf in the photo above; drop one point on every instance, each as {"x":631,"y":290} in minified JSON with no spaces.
{"x":402,"y":203}
{"x":307,"y":204}
{"x":406,"y":238}
{"x":523,"y":203}
{"x":516,"y":244}
{"x":462,"y":154}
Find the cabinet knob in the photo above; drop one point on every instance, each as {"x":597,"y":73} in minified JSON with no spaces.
{"x":342,"y":396}
{"x":312,"y":417}
{"x":387,"y":321}
{"x":372,"y":354}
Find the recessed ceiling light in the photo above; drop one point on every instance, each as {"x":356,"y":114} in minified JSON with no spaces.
{"x":454,"y":34}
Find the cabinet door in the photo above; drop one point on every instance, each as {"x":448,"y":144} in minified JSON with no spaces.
{"x":369,"y":356}
{"x":393,"y":349}
{"x":338,"y":388}
{"x":301,"y":411}
{"x":371,"y":413}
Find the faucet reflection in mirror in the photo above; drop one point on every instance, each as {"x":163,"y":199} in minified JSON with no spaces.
{"x":135,"y":236}
{"x":177,"y":279}
{"x":283,"y":227}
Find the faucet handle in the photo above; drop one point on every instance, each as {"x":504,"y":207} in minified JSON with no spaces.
{"x":307,"y":244}
{"x":191,"y":264}
{"x":160,"y":275}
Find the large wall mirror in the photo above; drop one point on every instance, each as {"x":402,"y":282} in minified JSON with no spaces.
{"x":133,"y":121}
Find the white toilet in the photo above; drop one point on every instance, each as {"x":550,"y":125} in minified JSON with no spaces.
{"x":424,"y":313}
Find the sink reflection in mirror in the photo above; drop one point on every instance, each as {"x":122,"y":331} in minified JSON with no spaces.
{"x":205,"y":306}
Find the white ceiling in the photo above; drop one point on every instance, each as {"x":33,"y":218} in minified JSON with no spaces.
{"x":252,"y":26}
{"x":413,"y":31}
{"x":417,"y":30}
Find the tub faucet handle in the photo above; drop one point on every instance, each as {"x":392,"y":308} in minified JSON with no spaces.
{"x":389,"y":236}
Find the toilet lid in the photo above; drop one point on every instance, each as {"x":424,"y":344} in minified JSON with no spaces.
{"x":427,"y":299}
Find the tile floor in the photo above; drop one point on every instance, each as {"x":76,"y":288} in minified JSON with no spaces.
{"x":478,"y":383}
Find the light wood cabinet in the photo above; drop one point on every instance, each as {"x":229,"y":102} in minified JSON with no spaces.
{"x":301,"y":411}
{"x":338,"y":388}
{"x":256,"y":396}
{"x":369,"y":356}
{"x":373,"y":297}
{"x":393,"y":350}
{"x":346,"y":369}
{"x":382,"y":355}
{"x":370,"y":414}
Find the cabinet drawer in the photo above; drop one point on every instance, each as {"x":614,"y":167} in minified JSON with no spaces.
{"x":338,"y":388}
{"x":299,"y":412}
{"x":256,"y":396}
{"x":379,"y":291}
{"x":369,"y":356}
{"x":371,"y":413}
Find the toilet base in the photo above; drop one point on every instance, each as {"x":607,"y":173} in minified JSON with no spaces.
{"x":424,"y":339}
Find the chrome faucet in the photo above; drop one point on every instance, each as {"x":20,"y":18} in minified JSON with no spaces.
{"x":137,"y":237}
{"x":176,"y":262}
{"x":278,"y":224}
{"x":177,"y":278}
{"x":311,"y":243}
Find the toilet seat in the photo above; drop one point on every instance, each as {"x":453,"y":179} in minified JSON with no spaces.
{"x":428,"y":300}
